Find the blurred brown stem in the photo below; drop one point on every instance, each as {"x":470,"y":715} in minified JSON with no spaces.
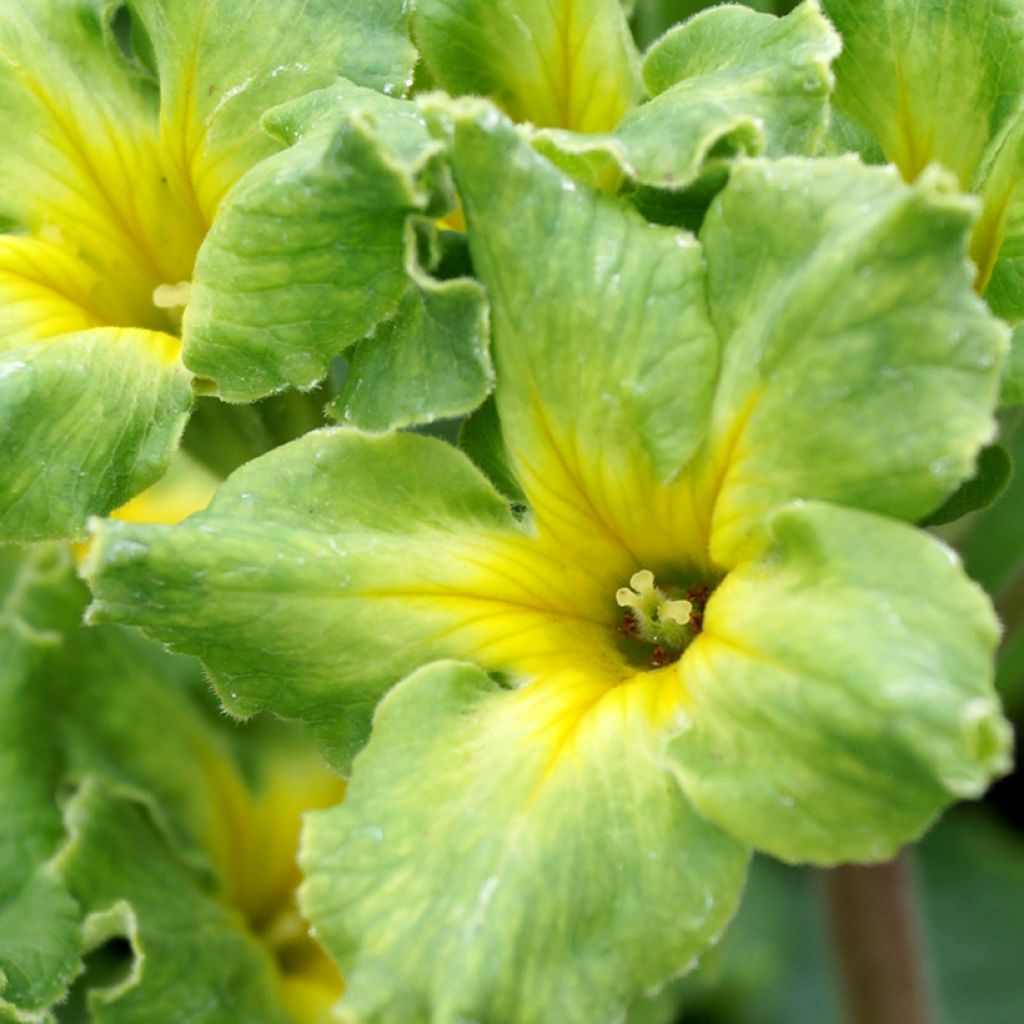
{"x":875,"y":933}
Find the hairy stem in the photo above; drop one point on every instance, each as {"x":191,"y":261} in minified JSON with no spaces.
{"x":875,"y":932}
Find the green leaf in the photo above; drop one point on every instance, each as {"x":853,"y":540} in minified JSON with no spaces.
{"x":307,"y":253}
{"x":563,"y":873}
{"x":933,"y":81}
{"x":993,"y":473}
{"x":848,"y":747}
{"x":728,"y":83}
{"x":193,"y":959}
{"x":431,"y":361}
{"x":293,"y":590}
{"x":565,"y":64}
{"x":480,"y":438}
{"x":39,"y":934}
{"x":127,"y":386}
{"x":858,"y":366}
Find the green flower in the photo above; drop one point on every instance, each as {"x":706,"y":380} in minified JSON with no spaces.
{"x":922,"y":83}
{"x":132,"y":812}
{"x":730,"y":82}
{"x":146,"y":197}
{"x":699,"y":630}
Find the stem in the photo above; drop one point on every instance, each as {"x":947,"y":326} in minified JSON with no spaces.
{"x":874,"y":929}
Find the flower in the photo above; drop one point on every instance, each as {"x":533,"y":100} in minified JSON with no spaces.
{"x":698,"y":627}
{"x":147,"y":197}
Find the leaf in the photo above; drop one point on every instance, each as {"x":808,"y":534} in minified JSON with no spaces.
{"x":130,"y":389}
{"x":993,"y":473}
{"x":563,"y":873}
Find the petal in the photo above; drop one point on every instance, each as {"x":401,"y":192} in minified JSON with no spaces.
{"x":39,"y":922}
{"x":727,"y":83}
{"x":604,"y":352}
{"x":89,"y":421}
{"x":81,"y":153}
{"x":842,"y":690}
{"x":550,"y":857}
{"x":320,"y":575}
{"x":859,"y":366}
{"x":566,"y":63}
{"x":932,"y":82}
{"x":190,"y":951}
{"x":223,"y":63}
{"x":308,"y":252}
{"x":430,"y":362}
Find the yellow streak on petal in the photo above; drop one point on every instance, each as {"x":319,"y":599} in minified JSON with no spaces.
{"x":45,"y":290}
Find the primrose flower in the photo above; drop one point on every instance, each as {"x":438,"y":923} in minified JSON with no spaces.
{"x":691,"y":626}
{"x":133,"y":813}
{"x":158,"y":221}
{"x":728,"y":82}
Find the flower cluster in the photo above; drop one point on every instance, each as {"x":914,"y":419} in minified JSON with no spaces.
{"x":658,"y":602}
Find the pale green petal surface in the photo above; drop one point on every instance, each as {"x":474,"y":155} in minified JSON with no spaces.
{"x":554,"y":63}
{"x":562,"y":875}
{"x":39,"y":937}
{"x":308,"y":253}
{"x":222,"y":63}
{"x":88,"y":421}
{"x":859,"y":367}
{"x":194,"y":961}
{"x":292,"y":586}
{"x":430,"y":361}
{"x":728,"y":83}
{"x":938,"y":81}
{"x":842,"y":690}
{"x":606,"y":359}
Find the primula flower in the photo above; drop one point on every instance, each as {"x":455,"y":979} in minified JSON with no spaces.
{"x":158,"y":222}
{"x":929,"y":83}
{"x":728,"y":82}
{"x":698,"y":627}
{"x":178,"y":833}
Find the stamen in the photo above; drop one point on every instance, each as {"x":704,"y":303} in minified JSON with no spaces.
{"x":667,"y":623}
{"x":172,"y":296}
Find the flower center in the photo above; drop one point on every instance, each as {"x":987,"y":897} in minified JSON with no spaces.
{"x":664,"y":621}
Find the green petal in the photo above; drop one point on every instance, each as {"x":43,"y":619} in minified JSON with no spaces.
{"x":565,"y":64}
{"x":564,"y":874}
{"x":307,"y":253}
{"x":193,"y":959}
{"x":89,"y":420}
{"x":932,"y":81}
{"x":848,"y":747}
{"x":299,"y":593}
{"x":729,"y":82}
{"x":858,"y":367}
{"x":605,"y":356}
{"x":221,"y":64}
{"x":39,"y":934}
{"x":430,"y":361}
